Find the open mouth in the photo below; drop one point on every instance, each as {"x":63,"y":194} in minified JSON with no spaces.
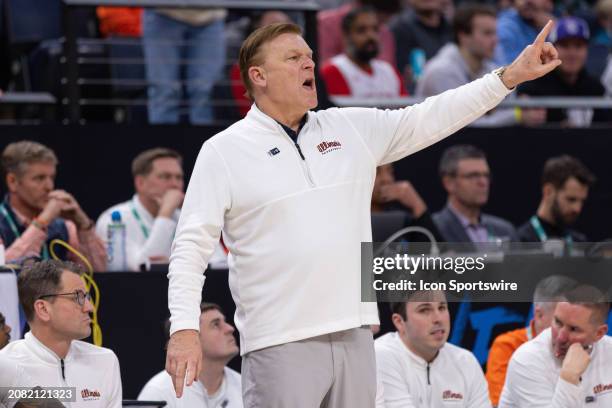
{"x":437,"y":332}
{"x":308,"y":84}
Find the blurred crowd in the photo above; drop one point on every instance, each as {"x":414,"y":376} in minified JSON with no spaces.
{"x":366,"y":49}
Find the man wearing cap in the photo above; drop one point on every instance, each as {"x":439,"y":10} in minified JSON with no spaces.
{"x":570,"y":36}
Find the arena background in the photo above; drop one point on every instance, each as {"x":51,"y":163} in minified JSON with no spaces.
{"x":95,"y":167}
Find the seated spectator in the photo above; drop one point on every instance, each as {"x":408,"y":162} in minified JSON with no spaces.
{"x":418,"y":367}
{"x":183,"y":46}
{"x":466,"y":178}
{"x":565,"y":188}
{"x":419,"y":29}
{"x":567,"y":365}
{"x":5,"y":332}
{"x":329,"y":28}
{"x":57,"y":307}
{"x":545,"y":297}
{"x":468,"y":57}
{"x":217,"y":385}
{"x":120,"y":21}
{"x":570,"y":36}
{"x":357,"y":72}
{"x":151,"y":215}
{"x":518,"y":26}
{"x":33,"y":213}
{"x":392,"y":195}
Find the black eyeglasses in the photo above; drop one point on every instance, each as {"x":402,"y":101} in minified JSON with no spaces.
{"x":78,"y":296}
{"x":473,"y":176}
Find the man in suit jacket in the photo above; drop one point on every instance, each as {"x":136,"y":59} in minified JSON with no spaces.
{"x":466,"y":178}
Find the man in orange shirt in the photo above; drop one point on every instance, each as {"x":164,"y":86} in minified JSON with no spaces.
{"x":545,"y":297}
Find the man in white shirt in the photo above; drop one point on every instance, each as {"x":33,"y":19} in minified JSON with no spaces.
{"x":568,"y":365}
{"x":290,"y":189}
{"x":151,"y":215}
{"x":417,"y":365}
{"x":57,"y":306}
{"x":217,"y":385}
{"x":12,"y":376}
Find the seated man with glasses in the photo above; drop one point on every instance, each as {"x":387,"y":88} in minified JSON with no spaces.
{"x":57,"y":307}
{"x":466,"y":178}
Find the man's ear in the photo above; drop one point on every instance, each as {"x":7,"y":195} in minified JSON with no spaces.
{"x":258,"y":76}
{"x":398,"y":322}
{"x":139,"y":182}
{"x":548,"y":190}
{"x":447,"y":183}
{"x":11,"y":182}
{"x":41,"y":310}
{"x":601,"y":331}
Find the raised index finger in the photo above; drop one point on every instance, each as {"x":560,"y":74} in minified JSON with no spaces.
{"x":541,"y":38}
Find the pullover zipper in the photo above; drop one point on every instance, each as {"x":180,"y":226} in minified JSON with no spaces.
{"x":303,"y":162}
{"x":428,"y":382}
{"x":63,"y":369}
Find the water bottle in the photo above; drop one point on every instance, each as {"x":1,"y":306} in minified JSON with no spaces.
{"x":417,"y":60}
{"x":117,"y":259}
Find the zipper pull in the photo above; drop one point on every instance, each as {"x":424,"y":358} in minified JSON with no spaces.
{"x":63,"y":369}
{"x":299,"y":150}
{"x":428,"y":382}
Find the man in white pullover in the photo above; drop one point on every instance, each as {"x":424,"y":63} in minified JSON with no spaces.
{"x":291,"y":190}
{"x":218,"y":385}
{"x":418,"y":367}
{"x":151,"y":215}
{"x":57,"y":306}
{"x":568,"y":365}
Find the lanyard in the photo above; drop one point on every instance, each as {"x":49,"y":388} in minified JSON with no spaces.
{"x":145,"y":230}
{"x":13,"y":226}
{"x":539,"y":230}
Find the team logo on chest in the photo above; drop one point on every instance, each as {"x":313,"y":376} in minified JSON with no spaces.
{"x":602,"y":389}
{"x":90,"y":395}
{"x":326,"y":147}
{"x":449,"y":395}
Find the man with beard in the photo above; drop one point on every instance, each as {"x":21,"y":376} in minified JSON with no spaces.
{"x":357,"y":72}
{"x":567,"y":365}
{"x":517,"y":25}
{"x":418,"y":367}
{"x":565,"y":187}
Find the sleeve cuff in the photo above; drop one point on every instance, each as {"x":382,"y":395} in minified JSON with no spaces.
{"x":569,"y":395}
{"x":184,"y":325}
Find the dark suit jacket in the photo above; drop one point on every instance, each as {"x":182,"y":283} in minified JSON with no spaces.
{"x":450,"y":227}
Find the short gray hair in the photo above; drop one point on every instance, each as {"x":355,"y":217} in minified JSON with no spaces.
{"x":552,"y":289}
{"x":451,"y":157}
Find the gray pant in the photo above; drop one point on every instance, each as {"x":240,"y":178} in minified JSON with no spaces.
{"x":336,"y":370}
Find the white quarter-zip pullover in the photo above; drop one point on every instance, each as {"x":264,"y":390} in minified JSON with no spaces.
{"x":293,"y":219}
{"x":533,"y":378}
{"x":453,"y":379}
{"x":92,"y":370}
